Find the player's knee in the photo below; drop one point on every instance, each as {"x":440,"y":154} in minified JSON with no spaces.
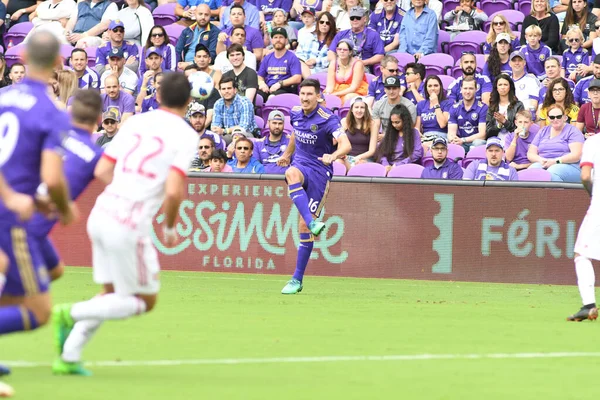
{"x":42,"y":313}
{"x":57,"y":272}
{"x":3,"y":262}
{"x":293,"y":175}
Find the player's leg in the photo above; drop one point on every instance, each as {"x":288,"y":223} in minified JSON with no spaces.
{"x":53,"y":262}
{"x":295,"y":178}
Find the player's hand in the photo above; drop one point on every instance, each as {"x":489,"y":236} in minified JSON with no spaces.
{"x":284,"y":161}
{"x":71,"y":216}
{"x":327,"y":159}
{"x":170,"y":236}
{"x":46,"y":206}
{"x":21,"y":204}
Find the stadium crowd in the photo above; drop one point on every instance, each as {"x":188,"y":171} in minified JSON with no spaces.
{"x":459,"y":89}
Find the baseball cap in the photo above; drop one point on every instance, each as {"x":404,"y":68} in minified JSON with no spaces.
{"x":110,"y":115}
{"x":195,"y":107}
{"x":276,"y":115}
{"x":240,"y":131}
{"x":357,"y":99}
{"x":116,"y":52}
{"x":391,"y":81}
{"x":279,"y":31}
{"x":310,"y":10}
{"x":516,"y":53}
{"x":116,"y":23}
{"x":357,"y":12}
{"x":494,"y":141}
{"x":152,"y":50}
{"x":503,"y":36}
{"x":594,"y":83}
{"x":439,"y":140}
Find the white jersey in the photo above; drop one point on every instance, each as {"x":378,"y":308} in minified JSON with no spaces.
{"x":146,"y":149}
{"x":591,"y":157}
{"x":527,"y":89}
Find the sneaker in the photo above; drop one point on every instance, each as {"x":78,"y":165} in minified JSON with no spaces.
{"x":6,"y":390}
{"x":316,"y":227}
{"x":61,"y":367}
{"x":292,"y":287}
{"x":62,"y":324}
{"x":584,"y":313}
{"x":4,"y":370}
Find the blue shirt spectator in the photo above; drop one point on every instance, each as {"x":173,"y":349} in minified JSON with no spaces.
{"x":239,"y":112}
{"x":252,"y":15}
{"x":419,"y":31}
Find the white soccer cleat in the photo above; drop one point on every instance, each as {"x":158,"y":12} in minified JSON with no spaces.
{"x":6,"y":390}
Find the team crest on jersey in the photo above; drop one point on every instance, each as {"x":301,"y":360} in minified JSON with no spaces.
{"x":205,"y":36}
{"x":478,"y":87}
{"x":542,"y":57}
{"x":283,"y":147}
{"x":314,"y":127}
{"x":395,"y":24}
{"x":578,"y":58}
{"x":474,"y":116}
{"x":444,"y":174}
{"x":522,"y":86}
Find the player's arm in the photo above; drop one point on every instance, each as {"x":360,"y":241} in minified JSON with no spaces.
{"x":343,"y":148}
{"x":105,"y":169}
{"x":52,"y":175}
{"x":586,"y":177}
{"x":174,"y":195}
{"x":286,"y":157}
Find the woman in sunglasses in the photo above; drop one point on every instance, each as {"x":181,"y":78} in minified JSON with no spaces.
{"x":542,"y":16}
{"x":499,"y":25}
{"x":557,"y":147}
{"x":313,"y":52}
{"x":559,"y":93}
{"x":578,"y":14}
{"x":158,"y":38}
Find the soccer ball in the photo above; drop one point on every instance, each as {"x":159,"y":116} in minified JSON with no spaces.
{"x":202,"y":85}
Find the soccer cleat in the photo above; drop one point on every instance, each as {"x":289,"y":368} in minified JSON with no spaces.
{"x":60,"y":367}
{"x":584,"y":313}
{"x":292,"y":287}
{"x":6,"y":390}
{"x":4,"y":370}
{"x":62,"y":324}
{"x":316,"y":227}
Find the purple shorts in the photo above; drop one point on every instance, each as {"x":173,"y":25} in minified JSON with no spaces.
{"x":316,"y":186}
{"x":48,"y":252}
{"x":27,"y":274}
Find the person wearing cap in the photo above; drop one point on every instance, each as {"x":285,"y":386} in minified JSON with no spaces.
{"x":116,"y":40}
{"x":553,"y":71}
{"x":196,"y":116}
{"x":388,"y":67}
{"x":243,"y":162}
{"x":368,"y":45}
{"x":346,"y":75}
{"x":576,"y":57}
{"x":468,"y":66}
{"x":527,"y":86}
{"x":280,"y":71}
{"x":253,"y":38}
{"x":271,"y":148}
{"x":305,"y":34}
{"x":245,"y":77}
{"x":581,"y":94}
{"x":252,"y":14}
{"x":280,"y":21}
{"x":419,"y":30}
{"x":442,"y":167}
{"x":232,"y":111}
{"x":150,"y":102}
{"x":467,"y":120}
{"x":127,"y":78}
{"x":493,"y":168}
{"x":382,"y":108}
{"x":588,"y":118}
{"x":110,"y":127}
{"x":498,"y":61}
{"x":153,"y":67}
{"x":202,"y":32}
{"x":387,"y":21}
{"x":499,"y":25}
{"x":243,"y":59}
{"x":113,"y":97}
{"x":93,"y":17}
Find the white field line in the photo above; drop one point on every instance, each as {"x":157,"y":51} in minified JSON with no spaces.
{"x":323,"y":359}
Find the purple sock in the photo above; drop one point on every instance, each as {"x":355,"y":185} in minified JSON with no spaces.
{"x":16,"y":319}
{"x":304,"y":250}
{"x":300,"y":199}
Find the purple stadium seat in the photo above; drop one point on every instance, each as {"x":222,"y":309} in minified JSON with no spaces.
{"x":449,"y":5}
{"x":559,"y":58}
{"x":339,"y":169}
{"x":164,"y":14}
{"x":333,"y":102}
{"x":343,"y":111}
{"x":515,"y":19}
{"x":454,"y":152}
{"x":282,"y":102}
{"x":65,"y":52}
{"x":367,"y":169}
{"x":259,"y":122}
{"x":322,"y":78}
{"x":476,"y":153}
{"x":446,"y":80}
{"x":406,"y":171}
{"x":493,"y":6}
{"x":443,"y":40}
{"x":534,"y":174}
{"x":437,"y":63}
{"x":466,"y":41}
{"x":370,"y":77}
{"x":16,"y":33}
{"x":403,"y":59}
{"x":524,"y":6}
{"x":91,"y":53}
{"x":13,"y":55}
{"x":174,"y":31}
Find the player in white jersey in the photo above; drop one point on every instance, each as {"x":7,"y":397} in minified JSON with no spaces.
{"x":144,"y":167}
{"x":587,"y":246}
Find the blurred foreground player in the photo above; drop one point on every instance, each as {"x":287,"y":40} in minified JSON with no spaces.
{"x":144,"y":167}
{"x":312,"y":144}
{"x":587,"y":245}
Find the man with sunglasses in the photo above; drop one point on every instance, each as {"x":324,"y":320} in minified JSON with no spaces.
{"x":202,"y":160}
{"x":419,"y":30}
{"x":580,"y":94}
{"x":110,"y":125}
{"x":387,"y":22}
{"x":243,"y":162}
{"x":468,"y":66}
{"x":116,"y":34}
{"x":389,"y":67}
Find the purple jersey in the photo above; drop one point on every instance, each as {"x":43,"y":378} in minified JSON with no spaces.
{"x":125,"y":103}
{"x":274,"y":69}
{"x":544,"y":90}
{"x":410,"y":96}
{"x":448,"y":170}
{"x":150,"y":103}
{"x":522,"y":147}
{"x":268,"y":7}
{"x":366,"y":43}
{"x":504,"y":69}
{"x":268,"y":153}
{"x":254,"y":38}
{"x":535,"y":60}
{"x":104,"y":51}
{"x":89,"y":80}
{"x":169,"y":58}
{"x":387,"y":28}
{"x":81,"y":157}
{"x":572,"y":59}
{"x":376,"y":88}
{"x":429,"y":122}
{"x":484,"y":85}
{"x":581,"y":93}
{"x":468,"y":120}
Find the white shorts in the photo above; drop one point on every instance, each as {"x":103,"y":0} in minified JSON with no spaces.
{"x":588,"y":237}
{"x":123,"y":257}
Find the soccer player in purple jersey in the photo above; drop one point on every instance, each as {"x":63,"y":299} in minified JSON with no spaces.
{"x":315,"y":131}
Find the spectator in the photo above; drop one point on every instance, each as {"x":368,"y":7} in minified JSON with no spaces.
{"x":467,"y":120}
{"x":243,"y":162}
{"x":51,"y":16}
{"x":542,"y":17}
{"x":209,"y":102}
{"x":53,"y":85}
{"x":110,"y":127}
{"x":238,"y":38}
{"x":414,"y":74}
{"x":203,"y":61}
{"x":557,"y":147}
{"x":253,"y":38}
{"x":368,"y":46}
{"x":308,"y":16}
{"x":559,"y":8}
{"x":517,"y":143}
{"x":280,"y":71}
{"x":468,"y":66}
{"x":4,"y":81}
{"x":201,"y":33}
{"x":466,"y":17}
{"x":138,"y":19}
{"x":268,"y":150}
{"x":87,"y":77}
{"x":268,"y":8}
{"x":493,"y":168}
{"x":117,"y":100}
{"x":401,"y":143}
{"x":419,"y":30}
{"x":298,"y":6}
{"x":357,"y":126}
{"x":499,"y":25}
{"x":384,"y":106}
{"x":346,"y":75}
{"x":279,"y":21}
{"x":67,"y":84}
{"x":442,"y":167}
{"x":196,"y":116}
{"x":185,"y":9}
{"x":314,"y":51}
{"x":232,"y":111}
{"x":387,"y":22}
{"x":341,"y":13}
{"x":245,"y":77}
{"x":159,"y":39}
{"x":127,"y":79}
{"x":575,"y":58}
{"x":153,"y":63}
{"x":596,"y":42}
{"x":20,"y":10}
{"x":527,"y":87}
{"x":389,"y":67}
{"x":588,"y":116}
{"x":85,"y":27}
{"x":116,"y":34}
{"x":559,"y":93}
{"x":250,"y":11}
{"x":504,"y":106}
{"x":202,"y":160}
{"x":16,"y":73}
{"x":150,"y":102}
{"x":580,"y":94}
{"x":535,"y":52}
{"x":435,"y":5}
{"x":578,"y":14}
{"x":433,"y":111}
{"x":498,"y":61}
{"x":552,"y":69}
{"x":218,"y":162}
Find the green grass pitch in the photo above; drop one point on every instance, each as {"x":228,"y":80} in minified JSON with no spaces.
{"x":208,"y":318}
